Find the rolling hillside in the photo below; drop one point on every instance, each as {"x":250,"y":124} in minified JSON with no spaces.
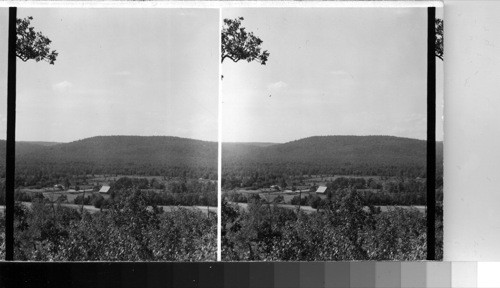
{"x":156,"y":155}
{"x":369,"y":155}
{"x":163,"y":155}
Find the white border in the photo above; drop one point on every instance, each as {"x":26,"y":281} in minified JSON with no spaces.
{"x":220,"y":4}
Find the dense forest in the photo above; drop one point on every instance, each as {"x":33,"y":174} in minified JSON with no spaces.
{"x":330,"y":155}
{"x":125,"y":155}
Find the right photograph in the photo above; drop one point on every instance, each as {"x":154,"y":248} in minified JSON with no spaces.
{"x":332,"y":131}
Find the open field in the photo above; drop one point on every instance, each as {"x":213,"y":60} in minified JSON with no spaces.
{"x":376,"y":190}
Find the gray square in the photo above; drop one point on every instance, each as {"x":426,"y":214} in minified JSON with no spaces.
{"x":388,"y":275}
{"x":413,"y":274}
{"x":286,"y":274}
{"x":312,"y":275}
{"x":363,"y":274}
{"x":337,"y":275}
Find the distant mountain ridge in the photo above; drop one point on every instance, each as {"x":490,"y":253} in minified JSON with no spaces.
{"x":258,"y":144}
{"x":41,"y":143}
{"x":118,"y":154}
{"x":375,"y":155}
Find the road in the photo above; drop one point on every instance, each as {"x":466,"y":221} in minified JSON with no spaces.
{"x":309,"y":209}
{"x":92,"y":209}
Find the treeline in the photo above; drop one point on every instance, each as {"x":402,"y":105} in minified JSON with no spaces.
{"x":263,"y":179}
{"x":184,"y":193}
{"x":127,"y":231}
{"x":189,"y":186}
{"x":240,"y":169}
{"x":343,"y":231}
{"x":48,"y":174}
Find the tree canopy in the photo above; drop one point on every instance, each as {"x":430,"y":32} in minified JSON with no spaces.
{"x":32,"y":44}
{"x":238,"y":44}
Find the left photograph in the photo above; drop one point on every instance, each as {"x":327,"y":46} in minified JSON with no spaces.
{"x":116,"y":134}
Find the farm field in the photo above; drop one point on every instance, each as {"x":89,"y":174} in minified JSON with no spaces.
{"x":376,"y":190}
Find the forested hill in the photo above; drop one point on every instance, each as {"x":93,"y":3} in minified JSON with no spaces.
{"x":362,"y":155}
{"x":152,"y":155}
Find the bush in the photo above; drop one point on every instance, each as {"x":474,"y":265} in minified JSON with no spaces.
{"x":342,"y":231}
{"x":128,"y":231}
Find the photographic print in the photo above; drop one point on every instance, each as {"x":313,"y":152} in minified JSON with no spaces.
{"x":116,"y":134}
{"x":325,"y":134}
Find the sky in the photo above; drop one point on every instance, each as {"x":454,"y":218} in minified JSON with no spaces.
{"x":119,"y":72}
{"x":331,"y":71}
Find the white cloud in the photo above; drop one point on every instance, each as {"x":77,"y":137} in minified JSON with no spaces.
{"x":62,"y":86}
{"x":277,"y":85}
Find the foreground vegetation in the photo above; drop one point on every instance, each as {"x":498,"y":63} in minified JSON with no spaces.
{"x":129,"y":230}
{"x":344,"y":230}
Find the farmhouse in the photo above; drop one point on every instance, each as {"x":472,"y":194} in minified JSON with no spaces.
{"x":321,"y":189}
{"x":104,"y":189}
{"x":59,"y":187}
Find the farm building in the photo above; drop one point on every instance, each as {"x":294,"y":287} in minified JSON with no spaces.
{"x":104,"y":189}
{"x":59,"y":187}
{"x":321,"y":189}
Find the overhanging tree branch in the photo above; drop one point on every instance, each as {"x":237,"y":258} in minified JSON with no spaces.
{"x":32,"y":45}
{"x":238,"y":44}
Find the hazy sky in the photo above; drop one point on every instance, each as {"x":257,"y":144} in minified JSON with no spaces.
{"x":331,"y":71}
{"x":119,"y":72}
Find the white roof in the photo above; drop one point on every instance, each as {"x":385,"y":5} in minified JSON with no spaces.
{"x":104,"y":189}
{"x":321,"y":189}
